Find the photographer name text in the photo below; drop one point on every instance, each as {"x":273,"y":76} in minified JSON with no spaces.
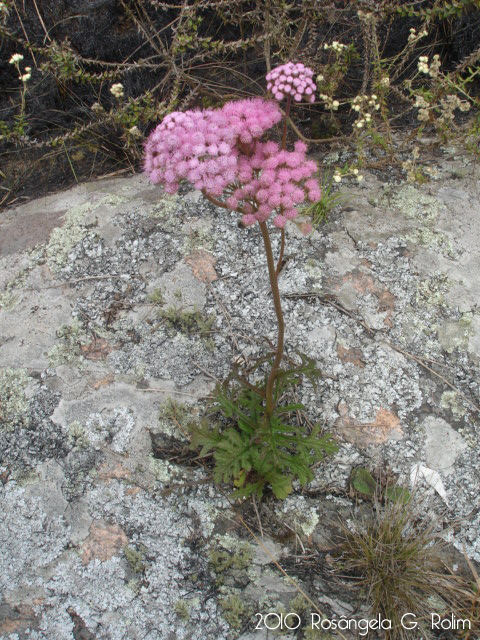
{"x":274,"y":621}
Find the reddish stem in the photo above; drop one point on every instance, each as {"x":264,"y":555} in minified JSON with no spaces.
{"x":280,"y":257}
{"x":281,"y":325}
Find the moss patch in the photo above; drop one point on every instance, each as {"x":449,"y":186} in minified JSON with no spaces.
{"x":187,"y":322}
{"x":14,"y":405}
{"x":68,"y":351}
{"x":222,"y":561}
{"x":182,"y":610}
{"x":234,"y":610}
{"x":8,"y":297}
{"x":135,"y":559}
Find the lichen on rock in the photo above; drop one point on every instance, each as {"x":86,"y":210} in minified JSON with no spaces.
{"x":14,"y":405}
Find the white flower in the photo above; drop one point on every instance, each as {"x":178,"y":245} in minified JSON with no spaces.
{"x":320,"y":78}
{"x":335,"y":105}
{"x":26,"y":77}
{"x":117,"y":90}
{"x":385,"y":81}
{"x":360,"y":178}
{"x":360,"y":124}
{"x":135,"y":131}
{"x":15,"y":58}
{"x":356,"y":107}
{"x":337,"y":177}
{"x":28,"y":69}
{"x":355,"y":172}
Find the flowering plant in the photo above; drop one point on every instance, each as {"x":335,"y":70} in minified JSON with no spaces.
{"x":222,"y":152}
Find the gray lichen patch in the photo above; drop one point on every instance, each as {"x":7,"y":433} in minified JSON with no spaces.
{"x":177,"y":573}
{"x":76,"y":226}
{"x":110,"y":426}
{"x":28,"y":535}
{"x":301,"y":517}
{"x":432,"y":239}
{"x":455,"y":334}
{"x":200,"y":236}
{"x":166,"y":206}
{"x":28,"y":436}
{"x":431,"y":291}
{"x":413,"y":203}
{"x":451,"y":400}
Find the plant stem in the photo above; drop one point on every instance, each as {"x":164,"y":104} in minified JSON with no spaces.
{"x":278,"y":310}
{"x":280,"y":257}
{"x":213,"y":200}
{"x":285,"y":120}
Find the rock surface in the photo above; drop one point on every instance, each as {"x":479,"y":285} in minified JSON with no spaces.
{"x":102,"y":535}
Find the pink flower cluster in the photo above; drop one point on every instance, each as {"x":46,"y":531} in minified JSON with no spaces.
{"x":273,"y":180}
{"x":220,"y":153}
{"x":201,"y":146}
{"x":291,"y":79}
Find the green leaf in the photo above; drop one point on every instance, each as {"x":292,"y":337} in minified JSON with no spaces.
{"x":364,"y":482}
{"x":231,"y":456}
{"x":398,"y":494}
{"x":204,"y":437}
{"x":300,"y":467}
{"x":281,"y":485}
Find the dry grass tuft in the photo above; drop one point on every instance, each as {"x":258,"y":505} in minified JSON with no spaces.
{"x":395,"y":558}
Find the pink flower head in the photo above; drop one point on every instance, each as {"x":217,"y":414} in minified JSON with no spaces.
{"x":221,"y":153}
{"x":248,"y":219}
{"x":250,"y":119}
{"x":291,"y":79}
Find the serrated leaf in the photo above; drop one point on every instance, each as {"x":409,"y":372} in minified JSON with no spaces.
{"x":281,"y":485}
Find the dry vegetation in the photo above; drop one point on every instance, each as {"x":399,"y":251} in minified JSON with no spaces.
{"x":94,"y":80}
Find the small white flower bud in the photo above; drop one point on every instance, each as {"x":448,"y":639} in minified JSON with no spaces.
{"x":17,"y":57}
